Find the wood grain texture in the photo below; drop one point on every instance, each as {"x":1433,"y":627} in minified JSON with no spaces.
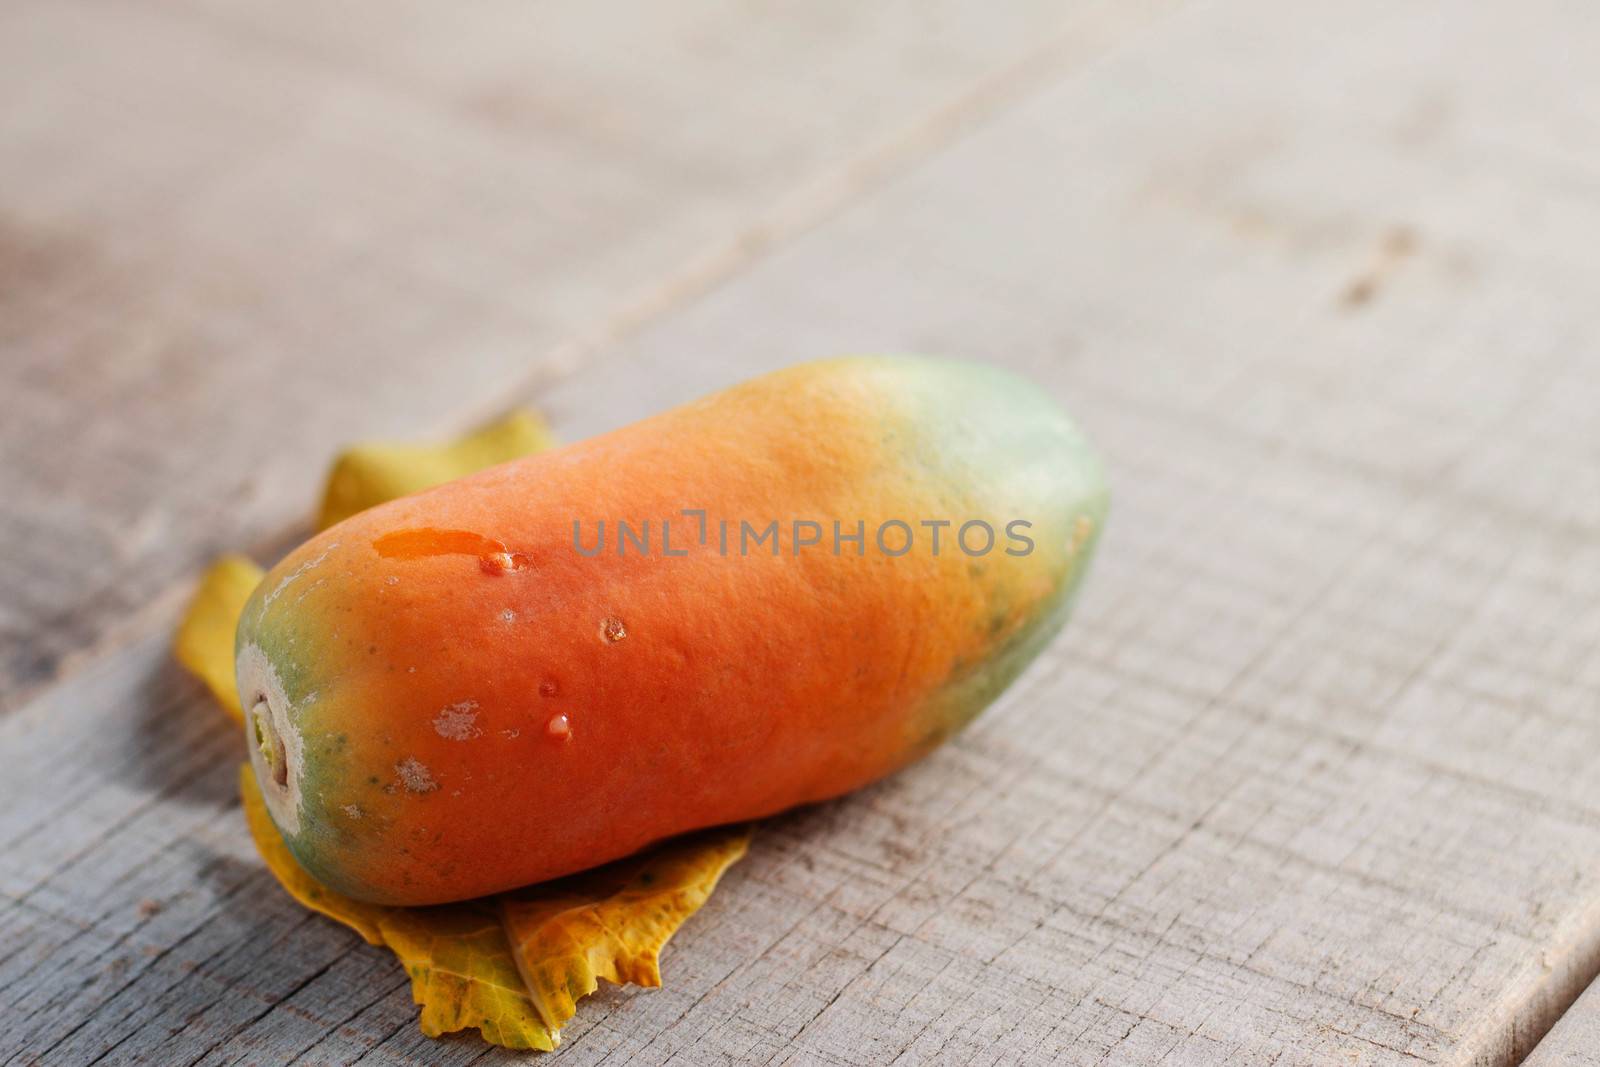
{"x":1575,"y":1039}
{"x":1310,"y":778}
{"x":235,"y":236}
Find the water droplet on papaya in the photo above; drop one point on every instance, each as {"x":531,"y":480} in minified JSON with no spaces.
{"x":496,"y":562}
{"x":612,"y":629}
{"x":559,"y":727}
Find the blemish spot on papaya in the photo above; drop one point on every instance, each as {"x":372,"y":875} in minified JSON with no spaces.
{"x":548,"y":689}
{"x":613,"y":629}
{"x":415,"y":776}
{"x":307,"y":590}
{"x":458,"y":722}
{"x":289,"y":579}
{"x":493,"y":556}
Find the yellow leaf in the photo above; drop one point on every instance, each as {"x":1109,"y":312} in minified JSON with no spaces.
{"x":204,"y":643}
{"x":463,"y":974}
{"x":612,"y":922}
{"x":370,"y":474}
{"x":512,"y":966}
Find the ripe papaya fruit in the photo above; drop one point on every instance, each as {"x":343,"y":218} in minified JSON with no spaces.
{"x":768,"y":597}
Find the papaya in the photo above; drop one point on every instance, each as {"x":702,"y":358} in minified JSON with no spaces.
{"x":762,"y":599}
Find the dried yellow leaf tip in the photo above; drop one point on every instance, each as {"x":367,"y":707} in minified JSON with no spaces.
{"x":204,"y":644}
{"x":463,"y":976}
{"x":370,"y":474}
{"x":612,"y":922}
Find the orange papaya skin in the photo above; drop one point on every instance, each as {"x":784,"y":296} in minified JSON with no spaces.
{"x":459,"y":692}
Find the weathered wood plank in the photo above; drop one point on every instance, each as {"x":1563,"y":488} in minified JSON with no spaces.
{"x":1575,"y":1040}
{"x":1310,"y":778}
{"x":234,"y":237}
{"x":1345,"y":631}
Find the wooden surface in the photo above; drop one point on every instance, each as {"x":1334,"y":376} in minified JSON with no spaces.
{"x":1575,"y":1040}
{"x":1309,"y":780}
{"x":235,"y":236}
